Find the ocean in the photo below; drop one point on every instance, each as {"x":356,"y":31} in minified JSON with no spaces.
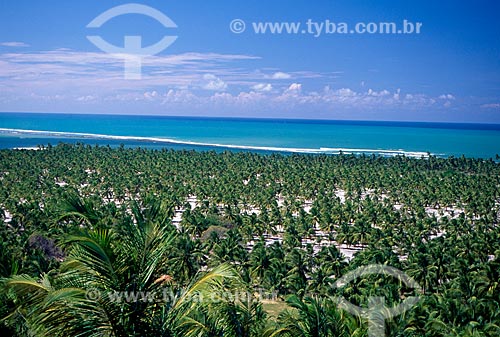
{"x":416,"y":139}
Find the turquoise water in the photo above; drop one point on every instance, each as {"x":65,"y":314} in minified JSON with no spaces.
{"x":308,"y":136}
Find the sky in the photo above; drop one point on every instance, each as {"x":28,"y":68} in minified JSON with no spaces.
{"x":448,"y":72}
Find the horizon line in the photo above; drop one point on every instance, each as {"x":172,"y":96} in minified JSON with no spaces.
{"x":250,"y":118}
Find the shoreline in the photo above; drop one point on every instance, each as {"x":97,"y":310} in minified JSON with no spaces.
{"x":320,"y":150}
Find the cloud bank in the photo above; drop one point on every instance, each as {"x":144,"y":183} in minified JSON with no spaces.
{"x":189,"y":83}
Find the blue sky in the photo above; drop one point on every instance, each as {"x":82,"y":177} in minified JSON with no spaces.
{"x":448,"y":72}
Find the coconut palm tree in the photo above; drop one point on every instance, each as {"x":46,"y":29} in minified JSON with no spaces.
{"x":313,"y":317}
{"x":113,"y":286}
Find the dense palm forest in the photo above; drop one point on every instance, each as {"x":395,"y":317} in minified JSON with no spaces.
{"x":98,"y":241}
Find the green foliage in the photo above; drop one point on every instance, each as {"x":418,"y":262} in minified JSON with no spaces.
{"x":79,"y":220}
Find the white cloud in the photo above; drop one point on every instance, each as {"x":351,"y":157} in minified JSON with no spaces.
{"x":447,"y":96}
{"x":344,"y":92}
{"x":67,"y":69}
{"x":294,"y":88}
{"x":87,"y":98}
{"x":371,"y":99}
{"x":491,"y":106}
{"x":179,"y":97}
{"x":377,"y":94}
{"x":396,"y":94}
{"x":14,"y":44}
{"x":47,"y":98}
{"x":280,"y":76}
{"x":267,"y":87}
{"x":150,"y":94}
{"x":214,"y":83}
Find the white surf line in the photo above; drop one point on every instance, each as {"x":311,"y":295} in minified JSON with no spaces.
{"x":321,"y":150}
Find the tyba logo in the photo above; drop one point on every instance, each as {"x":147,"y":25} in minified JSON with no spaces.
{"x":377,"y":312}
{"x":132,"y":51}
